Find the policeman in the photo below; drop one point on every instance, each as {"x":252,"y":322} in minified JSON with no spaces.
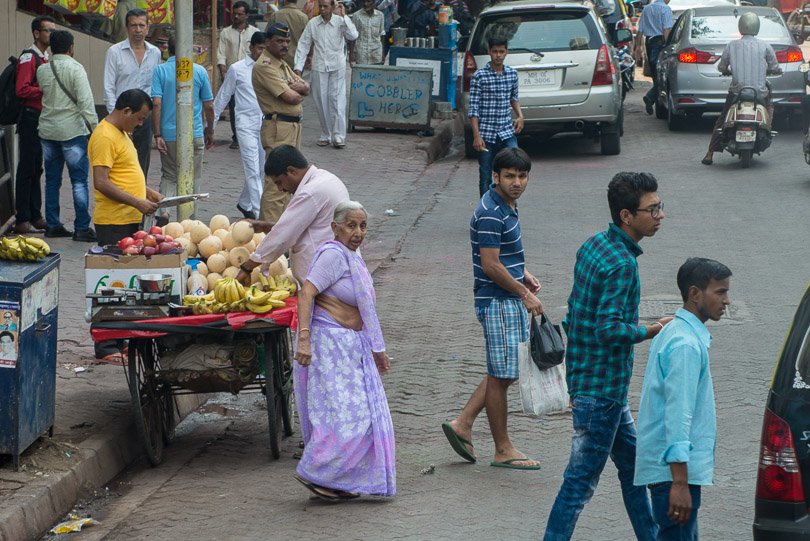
{"x":280,"y":93}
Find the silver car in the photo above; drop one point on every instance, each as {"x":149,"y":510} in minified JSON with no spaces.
{"x":568,"y":78}
{"x":688,"y":79}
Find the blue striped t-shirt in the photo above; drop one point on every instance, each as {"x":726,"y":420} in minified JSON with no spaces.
{"x":495,"y":224}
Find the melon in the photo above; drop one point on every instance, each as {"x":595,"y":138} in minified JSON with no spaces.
{"x":242,"y":232}
{"x":254,"y":275}
{"x":220,"y":221}
{"x":258,"y":238}
{"x":209,"y":245}
{"x":190,"y":247}
{"x":238,"y":256}
{"x":173,"y":229}
{"x":230,"y":272}
{"x":199,"y":231}
{"x":186,"y":224}
{"x":251,"y":246}
{"x":228,"y":241}
{"x":212,"y":278}
{"x":221,"y":233}
{"x":217,"y":263}
{"x":278,"y":267}
{"x":202,"y":268}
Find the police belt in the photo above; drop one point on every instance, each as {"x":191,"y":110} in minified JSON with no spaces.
{"x":283,"y":118}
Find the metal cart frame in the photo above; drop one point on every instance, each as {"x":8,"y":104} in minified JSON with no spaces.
{"x":152,"y":396}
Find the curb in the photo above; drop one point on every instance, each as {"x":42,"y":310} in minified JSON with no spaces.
{"x":101,"y":458}
{"x":437,"y":146}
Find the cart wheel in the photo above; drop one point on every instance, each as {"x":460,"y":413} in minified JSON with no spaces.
{"x":270,"y":395}
{"x":168,"y":406}
{"x":284,"y":384}
{"x":146,"y":399}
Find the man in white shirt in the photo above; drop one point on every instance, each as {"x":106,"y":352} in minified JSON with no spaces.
{"x":328,"y":33}
{"x":238,"y":87}
{"x":129,"y":64}
{"x":233,"y":46}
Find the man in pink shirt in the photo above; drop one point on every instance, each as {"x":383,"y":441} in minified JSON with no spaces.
{"x":306,"y":223}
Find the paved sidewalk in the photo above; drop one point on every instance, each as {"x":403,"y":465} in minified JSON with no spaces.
{"x":94,"y":438}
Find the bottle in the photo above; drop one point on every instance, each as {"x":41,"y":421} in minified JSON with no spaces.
{"x":197,"y":284}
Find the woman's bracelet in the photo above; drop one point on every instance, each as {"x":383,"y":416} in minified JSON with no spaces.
{"x":302,"y":329}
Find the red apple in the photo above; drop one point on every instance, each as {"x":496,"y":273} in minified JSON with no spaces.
{"x":139,"y":235}
{"x":156,"y":230}
{"x":165,"y":247}
{"x":138,"y":243}
{"x":149,"y":240}
{"x":126,"y":241}
{"x":160,"y":238}
{"x":167,"y":238}
{"x":149,"y":251}
{"x":132,"y":250}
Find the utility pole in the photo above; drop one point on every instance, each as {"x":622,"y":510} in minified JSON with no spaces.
{"x":184,"y":23}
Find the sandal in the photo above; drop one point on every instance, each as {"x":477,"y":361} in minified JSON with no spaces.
{"x":317,"y":491}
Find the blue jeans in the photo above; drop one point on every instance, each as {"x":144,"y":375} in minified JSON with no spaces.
{"x":654,"y":47}
{"x":485,"y":162}
{"x":668,"y":530}
{"x":56,"y":154}
{"x":602,"y":429}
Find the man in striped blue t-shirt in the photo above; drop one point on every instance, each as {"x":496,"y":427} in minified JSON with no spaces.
{"x":505,"y":295}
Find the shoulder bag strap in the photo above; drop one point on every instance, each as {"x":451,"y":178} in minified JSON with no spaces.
{"x":52,"y":64}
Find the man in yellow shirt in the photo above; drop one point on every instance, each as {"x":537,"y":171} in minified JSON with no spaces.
{"x":121,"y":194}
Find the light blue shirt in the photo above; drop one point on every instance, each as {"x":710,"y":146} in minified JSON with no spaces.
{"x":676,"y":417}
{"x":164,"y":87}
{"x":655,"y":18}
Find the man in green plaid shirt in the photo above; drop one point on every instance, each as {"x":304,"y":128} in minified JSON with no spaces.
{"x":602,"y":328}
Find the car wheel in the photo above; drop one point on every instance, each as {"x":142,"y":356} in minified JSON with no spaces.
{"x":610,"y":139}
{"x":469,"y":151}
{"x":674,"y":122}
{"x":660,"y":111}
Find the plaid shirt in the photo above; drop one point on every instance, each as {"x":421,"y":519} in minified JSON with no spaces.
{"x":491,"y":95}
{"x":602,"y":321}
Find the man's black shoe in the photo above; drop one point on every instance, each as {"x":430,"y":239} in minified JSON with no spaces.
{"x":245,"y":213}
{"x":58,"y":231}
{"x":85,"y":235}
{"x":648,"y":105}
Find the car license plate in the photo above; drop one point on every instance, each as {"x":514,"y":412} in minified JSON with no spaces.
{"x":746,"y":136}
{"x":537,"y":78}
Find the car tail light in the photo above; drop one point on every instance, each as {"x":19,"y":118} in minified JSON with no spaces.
{"x":693,"y":56}
{"x":604,"y":71}
{"x":795,"y":100}
{"x":469,"y":69}
{"x":789,"y":55}
{"x":686,"y":100}
{"x":779,"y":477}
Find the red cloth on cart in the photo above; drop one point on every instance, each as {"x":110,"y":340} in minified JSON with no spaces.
{"x":285,"y":317}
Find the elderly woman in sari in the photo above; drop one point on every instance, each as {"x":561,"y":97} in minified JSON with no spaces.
{"x":346,"y":424}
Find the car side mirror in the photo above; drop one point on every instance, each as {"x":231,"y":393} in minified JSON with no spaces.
{"x":799,"y":37}
{"x":623,"y":35}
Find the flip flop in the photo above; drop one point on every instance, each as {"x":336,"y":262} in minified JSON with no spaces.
{"x":511,"y":464}
{"x":706,"y":161}
{"x":313,"y":488}
{"x":458,"y":443}
{"x":322,"y":143}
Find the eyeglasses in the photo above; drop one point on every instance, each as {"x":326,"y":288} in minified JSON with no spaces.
{"x":655,"y":210}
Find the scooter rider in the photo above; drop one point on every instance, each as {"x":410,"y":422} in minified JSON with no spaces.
{"x":748,"y":60}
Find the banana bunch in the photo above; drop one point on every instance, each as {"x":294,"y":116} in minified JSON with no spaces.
{"x":228,"y":290}
{"x":208,"y":304}
{"x":261,"y":302}
{"x":23,"y":248}
{"x":269,"y":283}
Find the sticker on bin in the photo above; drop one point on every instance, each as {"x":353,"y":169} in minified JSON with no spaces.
{"x":9,"y":333}
{"x":537,"y":77}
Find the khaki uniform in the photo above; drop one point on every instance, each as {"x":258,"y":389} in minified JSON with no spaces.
{"x":297,"y":21}
{"x":271,"y":78}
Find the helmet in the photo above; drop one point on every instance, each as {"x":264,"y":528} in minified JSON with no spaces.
{"x":749,"y":24}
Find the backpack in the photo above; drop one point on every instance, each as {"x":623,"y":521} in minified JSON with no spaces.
{"x":10,"y":105}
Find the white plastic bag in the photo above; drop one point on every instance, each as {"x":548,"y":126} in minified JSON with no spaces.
{"x":541,"y":391}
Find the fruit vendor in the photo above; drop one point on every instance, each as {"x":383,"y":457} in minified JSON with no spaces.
{"x":121,"y":194}
{"x":306,"y":223}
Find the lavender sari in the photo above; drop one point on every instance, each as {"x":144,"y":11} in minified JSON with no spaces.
{"x":343,"y":410}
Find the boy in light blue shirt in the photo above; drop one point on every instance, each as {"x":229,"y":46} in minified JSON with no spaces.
{"x":677,"y":426}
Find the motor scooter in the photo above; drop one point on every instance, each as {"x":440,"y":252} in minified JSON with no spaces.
{"x":747,"y":126}
{"x":627,"y":65}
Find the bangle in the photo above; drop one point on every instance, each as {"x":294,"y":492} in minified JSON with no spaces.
{"x":659,"y":324}
{"x":302,"y":329}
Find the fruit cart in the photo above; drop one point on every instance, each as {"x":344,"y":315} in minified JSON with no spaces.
{"x":262,"y":359}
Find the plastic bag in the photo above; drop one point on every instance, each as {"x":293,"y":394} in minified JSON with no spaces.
{"x":541,"y":391}
{"x":546,"y":343}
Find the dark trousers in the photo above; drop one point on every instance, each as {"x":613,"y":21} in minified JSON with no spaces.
{"x":806,"y":112}
{"x":28,"y":184}
{"x":653,"y":46}
{"x":714,"y":142}
{"x":232,"y":116}
{"x":142,"y":139}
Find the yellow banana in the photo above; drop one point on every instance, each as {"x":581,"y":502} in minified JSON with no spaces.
{"x":280,"y":295}
{"x":261,"y":298}
{"x":259,"y":309}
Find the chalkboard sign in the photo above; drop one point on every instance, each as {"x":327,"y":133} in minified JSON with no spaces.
{"x":390,"y":97}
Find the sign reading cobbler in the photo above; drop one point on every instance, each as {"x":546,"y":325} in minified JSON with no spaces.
{"x":390,"y":96}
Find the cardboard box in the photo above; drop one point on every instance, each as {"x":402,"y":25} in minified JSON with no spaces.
{"x":97,"y":9}
{"x":66,"y":7}
{"x":104,"y":271}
